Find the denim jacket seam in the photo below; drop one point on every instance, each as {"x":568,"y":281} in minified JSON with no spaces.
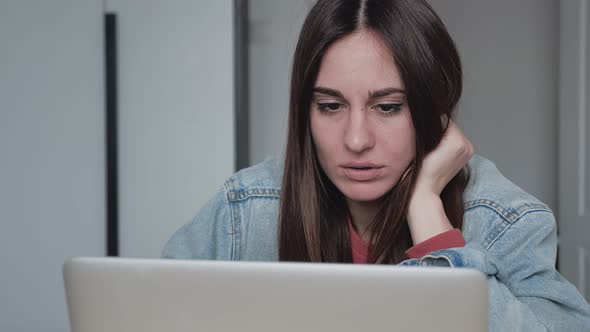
{"x":244,"y":194}
{"x":235,"y":194}
{"x":235,"y":240}
{"x":509,"y":217}
{"x":510,"y":225}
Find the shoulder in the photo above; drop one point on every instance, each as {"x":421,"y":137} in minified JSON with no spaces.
{"x":238,"y":222}
{"x":260,"y":180}
{"x":495,"y":206}
{"x":487,"y":186}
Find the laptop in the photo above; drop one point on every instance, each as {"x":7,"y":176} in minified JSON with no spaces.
{"x":129,"y":294}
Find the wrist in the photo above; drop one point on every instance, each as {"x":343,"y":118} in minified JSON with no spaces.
{"x":427,"y":188}
{"x":422,"y":196}
{"x":426,"y":216}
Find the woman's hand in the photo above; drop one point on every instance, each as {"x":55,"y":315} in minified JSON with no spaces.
{"x":426,"y":214}
{"x":444,"y":162}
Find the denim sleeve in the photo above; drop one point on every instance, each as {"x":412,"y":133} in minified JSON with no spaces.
{"x":207,"y":236}
{"x":526,"y":293}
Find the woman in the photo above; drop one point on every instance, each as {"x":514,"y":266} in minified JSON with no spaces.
{"x":376,"y":172}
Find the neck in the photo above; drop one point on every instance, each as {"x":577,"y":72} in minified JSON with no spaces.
{"x":361,"y":214}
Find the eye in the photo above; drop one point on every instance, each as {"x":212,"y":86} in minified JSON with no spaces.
{"x":389,"y":108}
{"x":329,"y":107}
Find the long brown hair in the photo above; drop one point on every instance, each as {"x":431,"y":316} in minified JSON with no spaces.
{"x":314,"y":214}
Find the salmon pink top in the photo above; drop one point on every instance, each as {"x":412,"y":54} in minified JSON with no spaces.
{"x":448,"y":239}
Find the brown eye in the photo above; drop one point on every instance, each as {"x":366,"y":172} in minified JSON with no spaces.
{"x":389,"y":108}
{"x":329,"y":107}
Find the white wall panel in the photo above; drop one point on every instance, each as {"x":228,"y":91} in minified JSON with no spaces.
{"x":176,"y":114}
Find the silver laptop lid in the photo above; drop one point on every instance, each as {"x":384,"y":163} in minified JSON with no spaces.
{"x":122,"y":294}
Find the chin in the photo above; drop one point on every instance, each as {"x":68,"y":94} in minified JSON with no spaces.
{"x":363,"y":192}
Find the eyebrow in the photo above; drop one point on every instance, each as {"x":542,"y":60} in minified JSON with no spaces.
{"x":372,"y":94}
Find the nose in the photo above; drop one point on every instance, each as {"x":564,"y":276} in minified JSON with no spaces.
{"x":358,"y":136}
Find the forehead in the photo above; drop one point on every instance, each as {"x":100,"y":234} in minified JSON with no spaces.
{"x":358,"y":63}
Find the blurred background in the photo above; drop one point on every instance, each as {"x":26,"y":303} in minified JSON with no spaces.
{"x":120,"y":118}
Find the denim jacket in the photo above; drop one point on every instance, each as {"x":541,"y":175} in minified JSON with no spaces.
{"x":510,"y":236}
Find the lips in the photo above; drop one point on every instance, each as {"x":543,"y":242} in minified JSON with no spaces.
{"x":361,"y":171}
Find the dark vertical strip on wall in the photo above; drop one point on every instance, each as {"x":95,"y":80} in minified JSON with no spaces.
{"x":242,"y":119}
{"x":112,"y":222}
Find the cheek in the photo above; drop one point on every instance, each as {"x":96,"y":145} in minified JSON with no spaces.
{"x":400,"y":142}
{"x":325,"y":136}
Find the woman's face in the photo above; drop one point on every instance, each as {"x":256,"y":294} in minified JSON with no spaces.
{"x":360,"y":121}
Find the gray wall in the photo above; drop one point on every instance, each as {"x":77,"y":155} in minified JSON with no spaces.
{"x":508,"y":109}
{"x":574,"y":161}
{"x":274,"y":28}
{"x":175,"y":133}
{"x":51,"y":154}
{"x":509,"y":106}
